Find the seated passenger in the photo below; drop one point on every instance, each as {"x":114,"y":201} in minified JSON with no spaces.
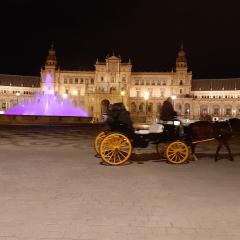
{"x":119,"y":117}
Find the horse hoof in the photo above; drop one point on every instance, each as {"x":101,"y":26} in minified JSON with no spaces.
{"x":231,"y":159}
{"x":215,"y":160}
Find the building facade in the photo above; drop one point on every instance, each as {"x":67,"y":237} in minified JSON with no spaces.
{"x":142,"y":92}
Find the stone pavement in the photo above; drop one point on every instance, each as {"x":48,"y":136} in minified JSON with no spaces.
{"x":52,"y":187}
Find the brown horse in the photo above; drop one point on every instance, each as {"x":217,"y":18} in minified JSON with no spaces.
{"x":203,"y":131}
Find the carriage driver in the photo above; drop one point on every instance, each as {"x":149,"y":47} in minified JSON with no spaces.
{"x":168,"y":114}
{"x":167,"y":111}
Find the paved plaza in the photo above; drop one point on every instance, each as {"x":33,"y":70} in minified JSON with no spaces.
{"x":53,"y":188}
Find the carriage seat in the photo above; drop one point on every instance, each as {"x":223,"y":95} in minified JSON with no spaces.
{"x":154,"y":128}
{"x":174,"y":122}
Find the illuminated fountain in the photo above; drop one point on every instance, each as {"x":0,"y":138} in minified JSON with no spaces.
{"x":47,"y":103}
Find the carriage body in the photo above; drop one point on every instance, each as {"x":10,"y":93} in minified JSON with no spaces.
{"x":115,"y":144}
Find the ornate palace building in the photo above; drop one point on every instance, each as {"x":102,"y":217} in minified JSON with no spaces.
{"x":142,"y":92}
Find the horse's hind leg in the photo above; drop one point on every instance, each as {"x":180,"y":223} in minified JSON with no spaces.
{"x":220,"y":143}
{"x":194,"y":158}
{"x":229,"y":150}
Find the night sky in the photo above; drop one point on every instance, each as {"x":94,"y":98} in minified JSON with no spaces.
{"x":149,"y":32}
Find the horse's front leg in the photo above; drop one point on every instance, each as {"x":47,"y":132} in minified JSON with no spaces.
{"x":218,"y":149}
{"x":229,"y":150}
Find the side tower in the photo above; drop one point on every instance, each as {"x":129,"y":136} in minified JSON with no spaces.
{"x":183,"y":78}
{"x":50,"y":69}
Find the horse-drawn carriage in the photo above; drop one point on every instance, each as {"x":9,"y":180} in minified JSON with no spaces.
{"x":115,"y":144}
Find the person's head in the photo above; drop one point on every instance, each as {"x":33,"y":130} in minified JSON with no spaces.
{"x":118,"y":106}
{"x":169,"y":99}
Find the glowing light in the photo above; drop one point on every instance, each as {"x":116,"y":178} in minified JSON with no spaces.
{"x":122,"y":93}
{"x":1,"y":112}
{"x":74,"y":92}
{"x":146,"y":95}
{"x":64,"y":95}
{"x":18,"y":94}
{"x":173,"y":97}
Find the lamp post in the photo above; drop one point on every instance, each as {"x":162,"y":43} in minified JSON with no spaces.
{"x":17,"y":94}
{"x":146,"y":97}
{"x":174,"y":98}
{"x":122,"y":94}
{"x":188,"y":114}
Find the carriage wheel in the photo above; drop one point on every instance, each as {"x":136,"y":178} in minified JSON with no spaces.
{"x":98,"y":141}
{"x":115,"y":149}
{"x":177,"y":152}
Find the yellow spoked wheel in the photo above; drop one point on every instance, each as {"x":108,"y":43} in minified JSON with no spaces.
{"x":98,"y":141}
{"x":177,"y":152}
{"x":115,"y":149}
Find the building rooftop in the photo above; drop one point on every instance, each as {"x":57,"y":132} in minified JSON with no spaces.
{"x":216,"y":84}
{"x":19,"y":81}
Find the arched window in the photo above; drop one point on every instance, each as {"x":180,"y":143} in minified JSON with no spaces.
{"x":104,"y":106}
{"x":141,"y":107}
{"x":187,"y":108}
{"x":203,"y":109}
{"x":150,"y":107}
{"x":216,"y":110}
{"x":228,"y":110}
{"x":133,"y":107}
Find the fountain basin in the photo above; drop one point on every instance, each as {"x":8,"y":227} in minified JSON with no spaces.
{"x":6,"y":119}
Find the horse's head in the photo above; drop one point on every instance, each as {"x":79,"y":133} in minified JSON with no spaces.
{"x":235,"y":125}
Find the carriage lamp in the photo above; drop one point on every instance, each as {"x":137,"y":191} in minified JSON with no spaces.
{"x":122,"y":94}
{"x":234,"y":112}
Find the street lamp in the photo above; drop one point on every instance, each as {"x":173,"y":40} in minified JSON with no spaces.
{"x":122,"y":94}
{"x":17,"y":94}
{"x":174,"y":98}
{"x":146,"y":97}
{"x":188,"y":111}
{"x":234,"y":113}
{"x":75,"y":92}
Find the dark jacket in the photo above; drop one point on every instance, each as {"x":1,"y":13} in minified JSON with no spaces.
{"x":119,"y":117}
{"x":167,"y":112}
